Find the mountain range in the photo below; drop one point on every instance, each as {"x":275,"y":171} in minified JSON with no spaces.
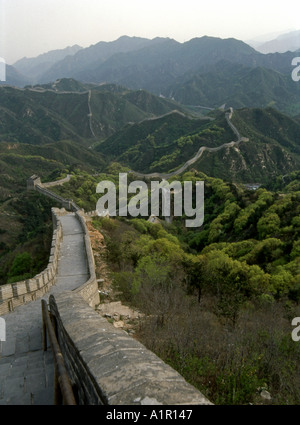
{"x":150,"y":105}
{"x":32,"y":68}
{"x":205,"y":71}
{"x":238,"y":86}
{"x":143,"y":63}
{"x":282,"y":43}
{"x":69,"y":124}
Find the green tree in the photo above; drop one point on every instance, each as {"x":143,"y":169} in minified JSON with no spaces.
{"x":265,"y":252}
{"x":268,"y":225}
{"x":21,"y":266}
{"x":295,"y":250}
{"x":281,"y":282}
{"x":225,"y":278}
{"x":232,"y":282}
{"x":153,"y":270}
{"x":153,"y":286}
{"x":193,"y":266}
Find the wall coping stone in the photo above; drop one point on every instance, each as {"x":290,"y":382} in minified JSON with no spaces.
{"x":115,"y":369}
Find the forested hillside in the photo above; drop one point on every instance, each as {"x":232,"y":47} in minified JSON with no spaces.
{"x":218,"y":300}
{"x":70,"y":110}
{"x":166,"y":143}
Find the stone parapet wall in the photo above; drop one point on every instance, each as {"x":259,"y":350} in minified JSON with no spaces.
{"x":14,"y":294}
{"x":57,"y":182}
{"x":106,"y":366}
{"x":64,"y":202}
{"x":88,"y":291}
{"x":92,"y":213}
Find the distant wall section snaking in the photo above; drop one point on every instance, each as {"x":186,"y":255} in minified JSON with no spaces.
{"x":58,"y":182}
{"x":34,"y":183}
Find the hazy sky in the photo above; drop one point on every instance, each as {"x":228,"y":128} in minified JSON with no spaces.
{"x":32,"y":27}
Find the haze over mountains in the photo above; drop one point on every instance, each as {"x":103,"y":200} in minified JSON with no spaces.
{"x":282,"y":43}
{"x":140,"y":102}
{"x":32,"y":68}
{"x":142,"y":63}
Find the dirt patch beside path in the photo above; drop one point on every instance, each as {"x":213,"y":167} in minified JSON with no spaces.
{"x":110,"y":307}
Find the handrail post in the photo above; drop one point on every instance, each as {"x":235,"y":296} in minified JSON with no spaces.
{"x":57,"y":391}
{"x":44,"y":334}
{"x":63,"y":392}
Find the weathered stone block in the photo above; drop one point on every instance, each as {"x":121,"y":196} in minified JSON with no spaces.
{"x":6,"y":291}
{"x":32,"y":283}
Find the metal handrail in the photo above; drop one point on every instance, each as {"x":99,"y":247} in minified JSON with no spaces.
{"x":62,"y":385}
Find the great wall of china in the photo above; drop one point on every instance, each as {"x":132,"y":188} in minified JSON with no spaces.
{"x":105,"y":365}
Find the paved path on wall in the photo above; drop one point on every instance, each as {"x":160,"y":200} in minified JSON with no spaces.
{"x":26,"y":371}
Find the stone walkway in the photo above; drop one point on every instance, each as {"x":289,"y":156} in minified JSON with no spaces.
{"x":26,"y":371}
